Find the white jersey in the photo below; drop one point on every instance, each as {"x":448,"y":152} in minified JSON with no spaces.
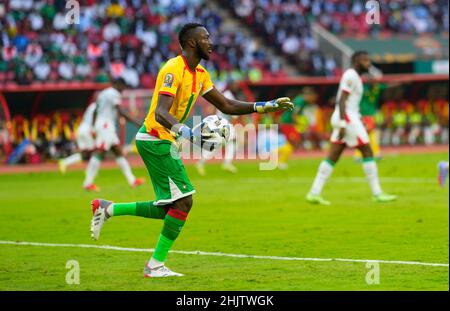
{"x":107,"y":102}
{"x":88,"y":116}
{"x":352,"y":84}
{"x":355,"y":132}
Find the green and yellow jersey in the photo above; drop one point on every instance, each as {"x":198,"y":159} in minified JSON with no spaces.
{"x":176,"y":79}
{"x":289,"y":117}
{"x":371,"y":97}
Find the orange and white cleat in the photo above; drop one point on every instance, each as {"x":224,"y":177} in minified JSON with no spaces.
{"x":92,"y":188}
{"x":138,"y":182}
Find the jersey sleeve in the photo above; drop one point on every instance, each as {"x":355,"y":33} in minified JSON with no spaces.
{"x":116,"y":99}
{"x":170,"y":82}
{"x":348,"y":82}
{"x":207,"y":85}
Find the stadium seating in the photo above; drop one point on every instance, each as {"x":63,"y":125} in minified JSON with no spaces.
{"x":130,"y":38}
{"x":279,"y":23}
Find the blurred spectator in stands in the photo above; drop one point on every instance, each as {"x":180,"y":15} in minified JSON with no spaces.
{"x":36,"y":21}
{"x":21,"y":5}
{"x":68,"y":48}
{"x":117,"y":67}
{"x":400,"y":123}
{"x":416,"y":123}
{"x":331,"y":66}
{"x":2,"y":11}
{"x":4,"y":140}
{"x":442,"y":111}
{"x":42,"y":70}
{"x":33,"y":54}
{"x":291,"y":44}
{"x":66,"y":69}
{"x":111,"y":31}
{"x":59,"y":22}
{"x":70,"y":123}
{"x":22,"y":73}
{"x":312,"y":120}
{"x":9,"y":53}
{"x":131,"y":77}
{"x":430,"y":125}
{"x":95,"y":49}
{"x":20,"y":129}
{"x":83,"y":70}
{"x":387,"y":112}
{"x":40,"y":135}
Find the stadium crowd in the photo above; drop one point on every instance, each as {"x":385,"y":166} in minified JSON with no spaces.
{"x":128,"y":38}
{"x":280,"y":23}
{"x":132,"y":37}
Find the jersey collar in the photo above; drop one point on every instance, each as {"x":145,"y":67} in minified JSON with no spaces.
{"x":187,"y":66}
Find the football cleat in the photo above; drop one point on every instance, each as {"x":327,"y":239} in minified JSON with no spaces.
{"x":443,"y":173}
{"x":92,"y":188}
{"x":229,"y":168}
{"x":138,"y":182}
{"x":200,"y":168}
{"x":384,"y":198}
{"x":62,"y":166}
{"x":317,"y":199}
{"x":283,"y":166}
{"x":159,"y":272}
{"x":99,"y":216}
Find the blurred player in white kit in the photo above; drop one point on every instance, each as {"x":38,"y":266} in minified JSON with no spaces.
{"x":85,"y":140}
{"x":349,"y":131}
{"x":108,"y":107}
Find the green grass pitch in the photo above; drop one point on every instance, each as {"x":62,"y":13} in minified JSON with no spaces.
{"x":254,"y":212}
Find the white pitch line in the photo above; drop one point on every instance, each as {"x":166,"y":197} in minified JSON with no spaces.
{"x":344,"y":180}
{"x":201,"y":253}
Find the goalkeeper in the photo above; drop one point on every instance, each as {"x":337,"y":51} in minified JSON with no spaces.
{"x":179,"y":83}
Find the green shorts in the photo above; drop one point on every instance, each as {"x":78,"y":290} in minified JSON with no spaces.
{"x":167,"y":172}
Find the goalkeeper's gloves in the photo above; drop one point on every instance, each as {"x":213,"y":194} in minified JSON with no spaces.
{"x":194,"y":135}
{"x":283,"y":103}
{"x":184,"y":131}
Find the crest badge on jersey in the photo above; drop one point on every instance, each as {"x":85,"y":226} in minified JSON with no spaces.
{"x":168,"y":80}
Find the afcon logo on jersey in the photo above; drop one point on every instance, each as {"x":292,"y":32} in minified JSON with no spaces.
{"x":168,"y":80}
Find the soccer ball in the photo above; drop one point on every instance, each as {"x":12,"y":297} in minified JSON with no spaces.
{"x":214,"y":132}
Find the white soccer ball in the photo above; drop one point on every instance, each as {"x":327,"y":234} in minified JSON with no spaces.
{"x":215,"y":132}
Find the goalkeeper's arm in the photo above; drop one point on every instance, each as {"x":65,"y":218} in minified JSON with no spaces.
{"x":164,"y":118}
{"x":235,"y":107}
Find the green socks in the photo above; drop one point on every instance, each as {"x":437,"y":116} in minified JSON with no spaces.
{"x":142,"y":209}
{"x":173,"y":223}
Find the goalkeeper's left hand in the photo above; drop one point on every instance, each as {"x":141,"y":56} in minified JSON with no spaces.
{"x":283,"y":103}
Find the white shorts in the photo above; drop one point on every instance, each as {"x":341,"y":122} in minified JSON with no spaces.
{"x":106,"y":138}
{"x":355,"y":132}
{"x":85,"y":140}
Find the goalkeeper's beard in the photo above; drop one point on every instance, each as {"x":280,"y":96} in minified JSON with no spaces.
{"x":203,"y":55}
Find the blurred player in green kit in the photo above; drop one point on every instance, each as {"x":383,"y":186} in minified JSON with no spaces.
{"x":368,"y":108}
